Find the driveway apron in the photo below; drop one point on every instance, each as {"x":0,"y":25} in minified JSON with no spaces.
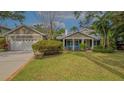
{"x":11,"y":61}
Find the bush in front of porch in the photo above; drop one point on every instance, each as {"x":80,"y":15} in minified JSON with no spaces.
{"x":103,"y":50}
{"x":83,"y":46}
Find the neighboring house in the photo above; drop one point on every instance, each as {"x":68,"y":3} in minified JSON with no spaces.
{"x":72,"y":41}
{"x":120,"y":43}
{"x":3,"y":29}
{"x":22,"y":38}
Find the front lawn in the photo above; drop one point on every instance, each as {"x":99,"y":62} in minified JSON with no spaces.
{"x":2,"y":50}
{"x":75,"y":66}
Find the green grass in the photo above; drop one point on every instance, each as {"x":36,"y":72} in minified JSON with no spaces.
{"x":2,"y":50}
{"x":75,"y":66}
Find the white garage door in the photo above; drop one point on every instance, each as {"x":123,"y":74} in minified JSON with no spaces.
{"x":21,"y":45}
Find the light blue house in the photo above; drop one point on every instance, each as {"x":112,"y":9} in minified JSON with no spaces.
{"x":72,"y":41}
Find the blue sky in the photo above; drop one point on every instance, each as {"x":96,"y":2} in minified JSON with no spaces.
{"x":33,"y":18}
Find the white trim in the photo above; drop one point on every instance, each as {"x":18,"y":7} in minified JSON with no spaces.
{"x":23,"y":34}
{"x":63,"y":43}
{"x":92,"y":43}
{"x":80,"y":33}
{"x":73,"y":44}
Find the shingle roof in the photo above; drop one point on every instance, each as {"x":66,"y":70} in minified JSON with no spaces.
{"x":84,"y":31}
{"x":90,"y":33}
{"x":1,"y":26}
{"x":26,"y":27}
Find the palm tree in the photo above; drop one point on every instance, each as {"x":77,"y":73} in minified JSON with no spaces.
{"x":102,"y":26}
{"x":110,"y":25}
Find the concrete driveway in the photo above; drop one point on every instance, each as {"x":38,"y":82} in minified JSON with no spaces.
{"x":11,"y":61}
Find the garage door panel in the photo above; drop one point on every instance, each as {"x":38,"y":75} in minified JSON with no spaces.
{"x":21,"y":45}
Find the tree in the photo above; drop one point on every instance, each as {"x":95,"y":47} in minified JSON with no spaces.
{"x":86,"y":18}
{"x":109,"y":25}
{"x":59,"y":32}
{"x":40,"y":27}
{"x":118,"y":24}
{"x":74,"y":29}
{"x":13,"y":15}
{"x":102,"y":24}
{"x":53,"y":20}
{"x":49,"y":19}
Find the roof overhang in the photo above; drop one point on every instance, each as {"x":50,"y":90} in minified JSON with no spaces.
{"x":80,"y":33}
{"x":26,"y":27}
{"x":4,"y":27}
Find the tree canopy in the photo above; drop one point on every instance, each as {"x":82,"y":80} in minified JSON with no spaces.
{"x":74,"y":29}
{"x":13,"y":15}
{"x":108,"y":24}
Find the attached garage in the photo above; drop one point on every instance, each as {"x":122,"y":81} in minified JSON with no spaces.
{"x":21,"y":45}
{"x":22,"y":38}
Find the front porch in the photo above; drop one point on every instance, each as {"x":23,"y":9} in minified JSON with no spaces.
{"x":72,"y":41}
{"x":74,"y":44}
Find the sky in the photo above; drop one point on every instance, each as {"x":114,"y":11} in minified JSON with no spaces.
{"x":66,"y":19}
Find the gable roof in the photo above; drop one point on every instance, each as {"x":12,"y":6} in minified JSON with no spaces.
{"x":90,"y":33}
{"x":4,"y":27}
{"x":85,"y":31}
{"x":25,"y":27}
{"x":65,"y":36}
{"x":80,"y":33}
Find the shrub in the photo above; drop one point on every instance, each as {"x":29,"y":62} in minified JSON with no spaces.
{"x":47,"y":47}
{"x":82,"y":46}
{"x":2,"y":50}
{"x":103,"y":50}
{"x":3,"y":44}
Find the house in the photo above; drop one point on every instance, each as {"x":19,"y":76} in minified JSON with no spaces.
{"x":72,"y":41}
{"x":3,"y":29}
{"x":22,"y":37}
{"x":120,"y":43}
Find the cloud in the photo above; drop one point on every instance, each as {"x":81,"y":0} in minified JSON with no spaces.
{"x":66,"y":15}
{"x":58,"y":14}
{"x":59,"y":24}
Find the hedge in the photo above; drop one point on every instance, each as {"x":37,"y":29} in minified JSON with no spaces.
{"x":3,"y":44}
{"x":2,"y":50}
{"x":47,"y":47}
{"x":103,"y":50}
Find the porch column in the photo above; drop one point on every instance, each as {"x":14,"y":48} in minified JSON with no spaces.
{"x":82,"y":41}
{"x":96,"y":42}
{"x":63,"y":43}
{"x":92,"y":43}
{"x":73,"y":44}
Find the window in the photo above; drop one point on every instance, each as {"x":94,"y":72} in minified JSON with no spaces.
{"x":69,"y":42}
{"x":76,"y":42}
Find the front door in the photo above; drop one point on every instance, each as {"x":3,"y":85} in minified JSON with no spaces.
{"x":69,"y":44}
{"x":77,"y":44}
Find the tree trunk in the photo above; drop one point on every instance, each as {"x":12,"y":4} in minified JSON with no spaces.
{"x":51,"y":30}
{"x":105,"y":37}
{"x":105,"y":42}
{"x":102,"y":41}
